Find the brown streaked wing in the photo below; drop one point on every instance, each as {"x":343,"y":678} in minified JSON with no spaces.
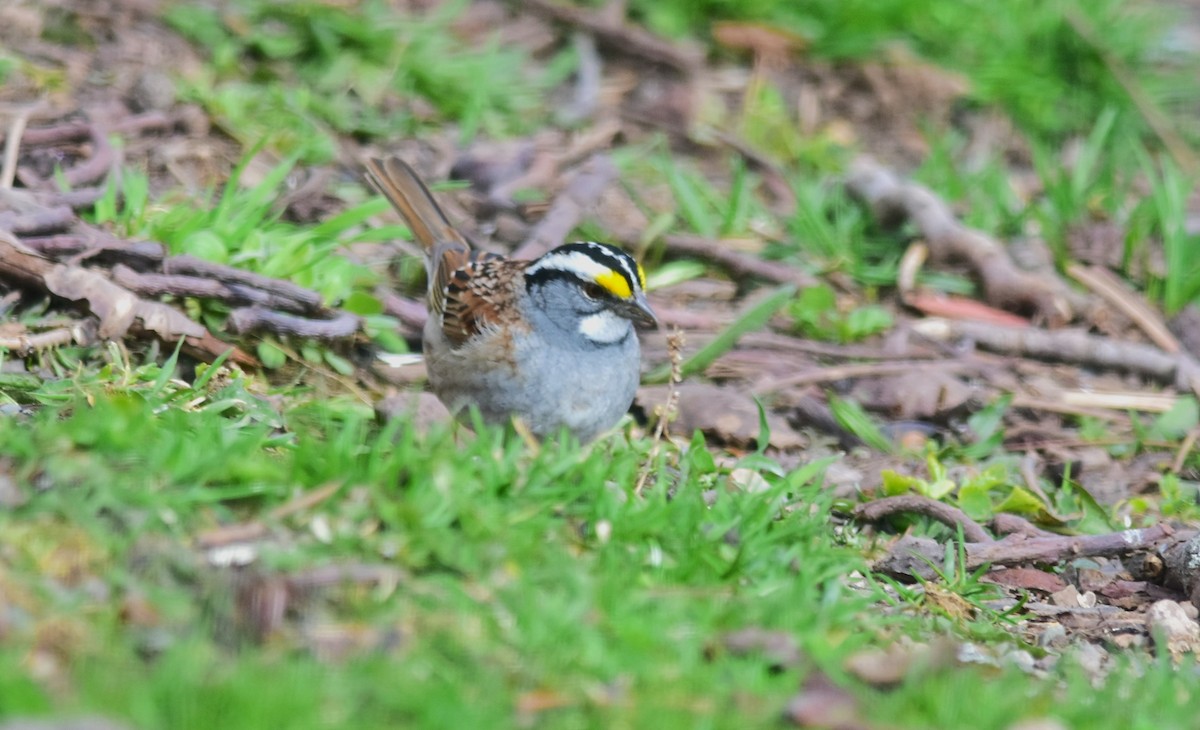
{"x":476,"y":290}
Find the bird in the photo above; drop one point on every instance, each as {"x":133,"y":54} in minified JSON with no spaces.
{"x":549,"y":341}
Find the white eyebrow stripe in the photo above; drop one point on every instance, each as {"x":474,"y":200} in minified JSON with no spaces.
{"x":594,"y":260}
{"x":576,"y":262}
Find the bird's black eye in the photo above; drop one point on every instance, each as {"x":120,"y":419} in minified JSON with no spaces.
{"x":593,"y":291}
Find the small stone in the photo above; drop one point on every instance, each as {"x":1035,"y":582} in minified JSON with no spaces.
{"x":153,"y":91}
{"x":1171,"y":629}
{"x":1067,"y":597}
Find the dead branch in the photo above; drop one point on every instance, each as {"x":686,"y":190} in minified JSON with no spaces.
{"x":1006,"y":523}
{"x":117,"y":309}
{"x":1181,"y":562}
{"x":580,"y":195}
{"x":94,"y":243}
{"x":98,"y":165}
{"x":892,"y":199}
{"x":38,"y":222}
{"x":1071,"y":346}
{"x":617,"y":35}
{"x":156,"y":285}
{"x":305,"y":300}
{"x":80,"y":131}
{"x":736,"y":262}
{"x":952,"y":517}
{"x":861,"y":370}
{"x":910,"y":557}
{"x":255,"y":319}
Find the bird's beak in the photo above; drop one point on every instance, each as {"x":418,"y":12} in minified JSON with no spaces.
{"x":638,"y":311}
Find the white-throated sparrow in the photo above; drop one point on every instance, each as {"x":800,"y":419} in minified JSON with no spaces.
{"x":550,"y":341}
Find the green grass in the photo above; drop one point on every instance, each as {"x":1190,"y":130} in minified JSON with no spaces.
{"x":523,"y":576}
{"x":300,"y":73}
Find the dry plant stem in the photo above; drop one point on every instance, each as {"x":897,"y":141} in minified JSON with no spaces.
{"x":81,"y":333}
{"x":1106,"y":284}
{"x":1072,"y":346}
{"x":580,"y":195}
{"x":616,"y":34}
{"x":675,"y":343}
{"x":1185,"y":450}
{"x":892,"y":199}
{"x":877,"y":510}
{"x":12,"y":146}
{"x":736,"y":262}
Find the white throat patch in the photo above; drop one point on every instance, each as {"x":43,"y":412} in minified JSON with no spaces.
{"x":604,"y":327}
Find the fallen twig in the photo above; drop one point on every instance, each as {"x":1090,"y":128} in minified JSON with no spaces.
{"x":117,"y":309}
{"x":860,"y":370}
{"x":38,"y":222}
{"x":581,"y":194}
{"x":616,"y":34}
{"x":253,"y":319}
{"x":1071,"y":346}
{"x":912,"y":557}
{"x":736,"y":262}
{"x":893,"y":199}
{"x":307,"y":300}
{"x":80,"y":131}
{"x":876,"y":510}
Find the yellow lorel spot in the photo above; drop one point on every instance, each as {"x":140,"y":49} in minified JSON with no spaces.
{"x":614,"y":284}
{"x":641,"y":276}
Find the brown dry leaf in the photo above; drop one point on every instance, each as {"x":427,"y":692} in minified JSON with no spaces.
{"x":822,"y":704}
{"x":1030,"y":579}
{"x":936,"y":304}
{"x":883,"y":668}
{"x":769,"y":44}
{"x":725,"y":415}
{"x":117,"y":307}
{"x":928,"y":394}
